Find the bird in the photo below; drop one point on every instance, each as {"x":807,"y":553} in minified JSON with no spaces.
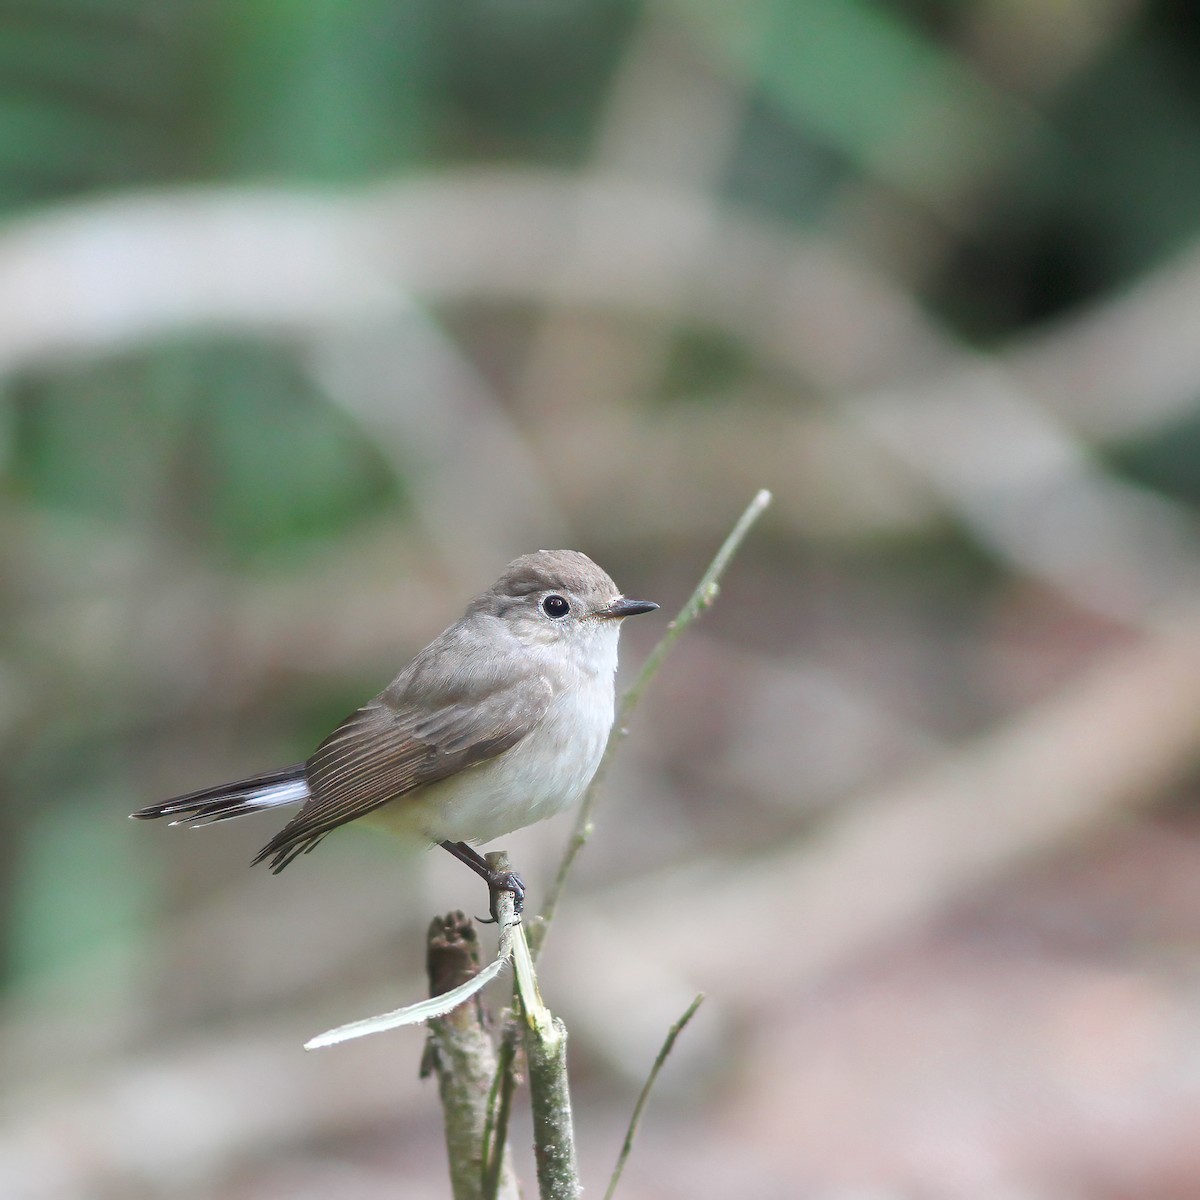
{"x":499,"y":722}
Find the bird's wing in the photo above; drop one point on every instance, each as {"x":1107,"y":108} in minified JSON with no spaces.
{"x":392,"y":745}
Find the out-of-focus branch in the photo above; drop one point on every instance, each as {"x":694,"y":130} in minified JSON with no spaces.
{"x":286,"y":263}
{"x":100,"y":276}
{"x":1031,"y":494}
{"x":1125,"y":366}
{"x":668,"y":118}
{"x":478,"y":489}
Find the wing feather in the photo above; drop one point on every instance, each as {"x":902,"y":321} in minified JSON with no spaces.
{"x":406,"y":738}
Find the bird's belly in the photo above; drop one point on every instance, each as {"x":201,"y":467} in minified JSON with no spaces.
{"x":547,"y":771}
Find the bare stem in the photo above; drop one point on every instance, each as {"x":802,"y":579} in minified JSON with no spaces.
{"x":631,"y":1132}
{"x":704,"y":594}
{"x":545,"y":1038}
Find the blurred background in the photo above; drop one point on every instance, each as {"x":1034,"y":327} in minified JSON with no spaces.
{"x":313,"y":314}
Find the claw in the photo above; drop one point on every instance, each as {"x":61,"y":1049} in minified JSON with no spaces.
{"x":497,"y":881}
{"x":504,"y":881}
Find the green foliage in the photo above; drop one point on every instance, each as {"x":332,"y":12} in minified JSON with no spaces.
{"x":101,"y":861}
{"x":91,"y":95}
{"x":229,"y":443}
{"x":1166,"y":459}
{"x":327,"y":90}
{"x":859,"y":76}
{"x":283,"y":464}
{"x":701,"y":366}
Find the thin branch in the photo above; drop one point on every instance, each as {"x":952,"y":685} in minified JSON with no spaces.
{"x":705,"y":593}
{"x":289,"y":260}
{"x":546,"y":1055}
{"x":631,"y":1132}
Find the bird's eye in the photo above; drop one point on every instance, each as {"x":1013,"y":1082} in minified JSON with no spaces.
{"x":555,"y":606}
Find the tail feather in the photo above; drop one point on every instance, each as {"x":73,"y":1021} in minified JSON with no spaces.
{"x":272,"y":789}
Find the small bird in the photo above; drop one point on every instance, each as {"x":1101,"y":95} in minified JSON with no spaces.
{"x":499,"y":722}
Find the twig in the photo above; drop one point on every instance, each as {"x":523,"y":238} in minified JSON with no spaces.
{"x":461,"y":1053}
{"x":631,"y":1132}
{"x":545,"y":1039}
{"x":705,"y":593}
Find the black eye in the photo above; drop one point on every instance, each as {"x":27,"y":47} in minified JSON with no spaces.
{"x":555,"y":606}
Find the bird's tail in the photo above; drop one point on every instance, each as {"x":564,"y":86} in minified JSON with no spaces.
{"x":273,"y":789}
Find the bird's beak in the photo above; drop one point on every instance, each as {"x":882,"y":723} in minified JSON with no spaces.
{"x":626,"y":608}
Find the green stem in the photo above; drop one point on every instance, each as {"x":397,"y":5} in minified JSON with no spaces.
{"x":631,"y":1132}
{"x":704,"y":594}
{"x":499,"y":1107}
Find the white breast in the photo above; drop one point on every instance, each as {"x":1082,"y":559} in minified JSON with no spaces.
{"x":545,"y":772}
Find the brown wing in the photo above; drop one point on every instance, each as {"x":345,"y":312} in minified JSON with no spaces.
{"x":388,"y":748}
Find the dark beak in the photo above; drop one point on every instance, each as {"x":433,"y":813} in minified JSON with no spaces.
{"x":627,"y":608}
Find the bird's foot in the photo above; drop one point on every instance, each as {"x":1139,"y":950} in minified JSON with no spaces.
{"x":499,"y":882}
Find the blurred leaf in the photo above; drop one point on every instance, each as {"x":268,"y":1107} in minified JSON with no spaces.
{"x":530,"y":77}
{"x":778,"y":165}
{"x":894,"y":102}
{"x":1134,"y":182}
{"x":1168,"y":461}
{"x":92,"y":440}
{"x":284,"y":463}
{"x":228,"y":442}
{"x":106,"y":65}
{"x":82,"y":887}
{"x":325,"y":89}
{"x":87,"y":93}
{"x":50,"y":144}
{"x":703,"y":364}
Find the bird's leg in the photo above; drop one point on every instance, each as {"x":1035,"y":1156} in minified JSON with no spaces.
{"x":497,"y":881}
